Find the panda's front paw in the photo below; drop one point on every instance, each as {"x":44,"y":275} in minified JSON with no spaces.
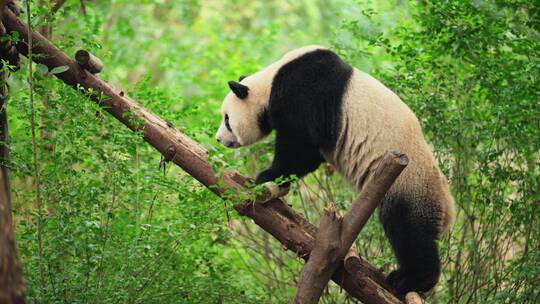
{"x":394,"y":278}
{"x":273,"y":190}
{"x":267,"y":175}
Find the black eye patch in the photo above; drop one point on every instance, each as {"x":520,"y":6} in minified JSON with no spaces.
{"x":227,"y":123}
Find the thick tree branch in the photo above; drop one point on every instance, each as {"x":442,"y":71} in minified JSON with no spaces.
{"x":355,"y":265}
{"x":371,"y":195}
{"x":336,"y":236}
{"x":319,"y":268}
{"x":275,"y":217}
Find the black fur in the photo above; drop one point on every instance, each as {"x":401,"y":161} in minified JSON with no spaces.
{"x":411,"y":225}
{"x":264,"y":122}
{"x":305,"y":110}
{"x":240,"y":90}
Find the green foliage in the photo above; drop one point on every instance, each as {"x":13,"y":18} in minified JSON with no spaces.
{"x":470,"y":71}
{"x":115,"y":226}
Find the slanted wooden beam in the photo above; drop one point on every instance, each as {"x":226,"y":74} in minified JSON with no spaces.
{"x":337,"y":234}
{"x":275,"y":217}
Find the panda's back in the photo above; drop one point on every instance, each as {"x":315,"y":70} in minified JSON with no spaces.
{"x":375,"y":120}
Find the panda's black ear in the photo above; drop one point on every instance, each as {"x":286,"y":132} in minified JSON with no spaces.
{"x":240,"y":90}
{"x":242,"y":77}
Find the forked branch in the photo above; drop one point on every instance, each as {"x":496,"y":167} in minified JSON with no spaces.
{"x":336,"y":235}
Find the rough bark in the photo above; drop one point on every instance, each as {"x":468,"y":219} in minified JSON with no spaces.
{"x":336,"y":236}
{"x":12,"y":286}
{"x":371,"y":195}
{"x":323,"y":257}
{"x":356,"y":265}
{"x":275,"y":217}
{"x":57,"y":6}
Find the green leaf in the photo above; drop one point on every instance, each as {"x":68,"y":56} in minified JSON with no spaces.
{"x":41,"y":68}
{"x":59,"y":69}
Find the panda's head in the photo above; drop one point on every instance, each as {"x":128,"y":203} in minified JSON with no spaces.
{"x":244,"y":113}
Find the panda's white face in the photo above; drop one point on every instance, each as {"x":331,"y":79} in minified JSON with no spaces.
{"x":240,"y":111}
{"x":247,"y":100}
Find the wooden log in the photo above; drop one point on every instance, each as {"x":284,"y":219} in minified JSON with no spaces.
{"x":354,"y":264}
{"x":335,"y":237}
{"x":275,"y":217}
{"x":322,"y":257}
{"x":88,"y":61}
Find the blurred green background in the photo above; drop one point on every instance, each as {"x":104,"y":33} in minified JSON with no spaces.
{"x":113,"y":227}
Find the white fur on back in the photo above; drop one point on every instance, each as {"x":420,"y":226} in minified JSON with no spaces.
{"x":374,"y":121}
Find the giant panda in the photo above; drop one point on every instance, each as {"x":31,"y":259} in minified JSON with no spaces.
{"x":324,"y":110}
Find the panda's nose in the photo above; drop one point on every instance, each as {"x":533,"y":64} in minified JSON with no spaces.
{"x":218,"y":140}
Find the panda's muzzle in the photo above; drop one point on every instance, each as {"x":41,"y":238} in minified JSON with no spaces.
{"x":231,"y":144}
{"x":226,"y":138}
{"x":228,"y":143}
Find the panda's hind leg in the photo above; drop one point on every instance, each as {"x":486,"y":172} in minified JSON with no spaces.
{"x":412,"y":228}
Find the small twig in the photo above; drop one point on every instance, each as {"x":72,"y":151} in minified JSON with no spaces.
{"x":34,"y":153}
{"x":83,"y":8}
{"x":57,"y":6}
{"x":105,"y":238}
{"x":12,"y":286}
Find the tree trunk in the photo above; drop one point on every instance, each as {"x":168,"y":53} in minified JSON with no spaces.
{"x":12,"y":287}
